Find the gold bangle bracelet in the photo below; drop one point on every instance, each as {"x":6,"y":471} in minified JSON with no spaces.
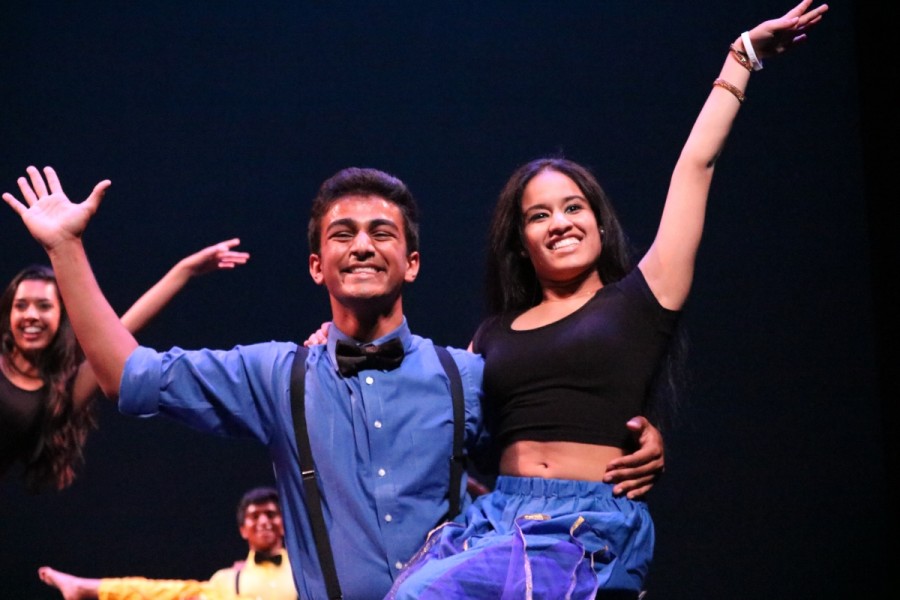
{"x":741,"y":57}
{"x":731,"y":88}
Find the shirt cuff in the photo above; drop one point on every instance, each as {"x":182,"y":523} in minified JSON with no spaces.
{"x":139,"y":390}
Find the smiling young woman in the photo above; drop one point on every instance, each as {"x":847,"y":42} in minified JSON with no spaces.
{"x":46,"y":387}
{"x":40,"y":426}
{"x":579,"y":338}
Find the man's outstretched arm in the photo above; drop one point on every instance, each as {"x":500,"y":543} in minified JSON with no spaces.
{"x":58,"y":224}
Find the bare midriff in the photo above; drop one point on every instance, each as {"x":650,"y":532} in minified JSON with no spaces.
{"x":557,"y":460}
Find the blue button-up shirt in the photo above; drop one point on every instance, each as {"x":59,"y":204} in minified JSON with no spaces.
{"x":381,"y":441}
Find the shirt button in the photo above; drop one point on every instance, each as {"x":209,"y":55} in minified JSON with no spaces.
{"x":377,"y":424}
{"x":369,"y":380}
{"x":398,"y":565}
{"x":381,"y":472}
{"x":388,"y":518}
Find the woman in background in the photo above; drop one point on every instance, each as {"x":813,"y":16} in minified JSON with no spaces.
{"x":46,"y":386}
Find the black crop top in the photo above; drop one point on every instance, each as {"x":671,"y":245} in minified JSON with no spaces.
{"x":578,"y":379}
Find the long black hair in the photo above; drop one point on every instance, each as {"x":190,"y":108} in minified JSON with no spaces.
{"x":511,"y":284}
{"x":56,"y":454}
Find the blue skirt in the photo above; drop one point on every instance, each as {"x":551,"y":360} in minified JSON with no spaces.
{"x":535,"y":539}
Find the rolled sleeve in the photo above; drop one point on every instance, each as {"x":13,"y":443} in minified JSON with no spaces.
{"x":139,"y":390}
{"x":471,"y":369}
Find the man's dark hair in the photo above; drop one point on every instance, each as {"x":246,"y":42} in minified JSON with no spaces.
{"x":357,"y":181}
{"x":259,"y":495}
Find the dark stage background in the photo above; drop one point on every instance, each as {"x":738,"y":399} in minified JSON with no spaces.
{"x":220,"y":119}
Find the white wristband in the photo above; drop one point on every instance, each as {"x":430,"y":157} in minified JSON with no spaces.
{"x":751,"y":54}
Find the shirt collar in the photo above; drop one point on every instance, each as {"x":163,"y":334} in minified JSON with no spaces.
{"x":335,"y":334}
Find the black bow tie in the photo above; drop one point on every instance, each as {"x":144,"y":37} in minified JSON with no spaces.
{"x":352,"y":358}
{"x":261,"y":557}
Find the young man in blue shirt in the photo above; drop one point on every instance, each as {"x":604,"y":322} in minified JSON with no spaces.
{"x":381,"y":436}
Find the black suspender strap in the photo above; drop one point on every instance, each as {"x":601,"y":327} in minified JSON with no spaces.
{"x":308,"y":473}
{"x":457,"y":459}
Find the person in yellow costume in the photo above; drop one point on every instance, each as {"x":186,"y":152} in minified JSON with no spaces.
{"x":264,"y":575}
